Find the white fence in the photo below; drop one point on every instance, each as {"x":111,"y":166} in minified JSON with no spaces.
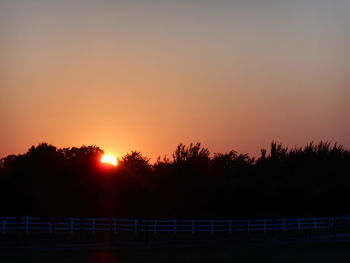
{"x":115,"y":225}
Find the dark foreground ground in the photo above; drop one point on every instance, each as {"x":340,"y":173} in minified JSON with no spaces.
{"x":105,"y":248}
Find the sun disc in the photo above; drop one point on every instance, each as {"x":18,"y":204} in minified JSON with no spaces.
{"x":109,"y":159}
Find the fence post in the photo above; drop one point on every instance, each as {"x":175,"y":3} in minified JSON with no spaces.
{"x":50,"y":226}
{"x":27,"y":224}
{"x":248,"y":225}
{"x":298,"y":224}
{"x":230,"y":226}
{"x":114,"y":225}
{"x":4,"y":225}
{"x":331,"y":219}
{"x":155,"y":226}
{"x":175,"y":226}
{"x":315,"y":223}
{"x":193,"y":226}
{"x":212,"y":226}
{"x":93,"y":225}
{"x":135,"y":225}
{"x":284,"y":225}
{"x":264,"y":225}
{"x":72,"y":224}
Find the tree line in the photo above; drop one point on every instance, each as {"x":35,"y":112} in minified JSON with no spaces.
{"x":48,"y":181}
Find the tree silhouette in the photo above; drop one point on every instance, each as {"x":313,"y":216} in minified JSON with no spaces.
{"x":135,"y":162}
{"x":305,"y":181}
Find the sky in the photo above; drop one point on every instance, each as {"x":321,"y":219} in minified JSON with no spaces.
{"x":148,"y":75}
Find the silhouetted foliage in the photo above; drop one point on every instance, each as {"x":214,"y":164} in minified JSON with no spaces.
{"x":135,"y":163}
{"x":306,"y":181}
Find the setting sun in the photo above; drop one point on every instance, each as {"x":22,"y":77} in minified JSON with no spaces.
{"x":109,"y":159}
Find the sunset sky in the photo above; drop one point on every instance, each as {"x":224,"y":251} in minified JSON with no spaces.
{"x":146,"y":75}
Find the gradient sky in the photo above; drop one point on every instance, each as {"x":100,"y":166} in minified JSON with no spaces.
{"x":147,"y":75}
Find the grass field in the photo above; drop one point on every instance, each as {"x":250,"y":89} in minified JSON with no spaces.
{"x":29,"y":249}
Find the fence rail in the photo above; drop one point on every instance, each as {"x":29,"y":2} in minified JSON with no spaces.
{"x":115,"y":225}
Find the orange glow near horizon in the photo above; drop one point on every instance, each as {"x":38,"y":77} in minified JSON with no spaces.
{"x":109,"y":159}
